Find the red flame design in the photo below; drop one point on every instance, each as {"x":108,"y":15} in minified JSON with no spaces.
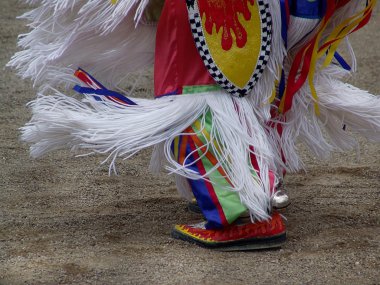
{"x":224,"y":14}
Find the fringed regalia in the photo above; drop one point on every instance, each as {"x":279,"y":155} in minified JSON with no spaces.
{"x":237,"y":83}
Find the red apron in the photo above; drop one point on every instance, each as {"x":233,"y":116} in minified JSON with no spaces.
{"x":177,"y":61}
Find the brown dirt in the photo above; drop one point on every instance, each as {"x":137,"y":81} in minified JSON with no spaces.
{"x":63,"y":220}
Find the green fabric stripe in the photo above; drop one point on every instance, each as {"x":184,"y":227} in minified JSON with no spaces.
{"x":199,"y":89}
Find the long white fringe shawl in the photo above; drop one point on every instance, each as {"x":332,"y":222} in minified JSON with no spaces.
{"x":106,"y":40}
{"x":341,"y":104}
{"x":59,"y":122}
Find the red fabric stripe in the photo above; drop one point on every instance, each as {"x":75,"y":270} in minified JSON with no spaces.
{"x":182,"y":150}
{"x":359,"y":26}
{"x":295,"y":85}
{"x":85,"y":79}
{"x":303,"y":58}
{"x":208,"y":154}
{"x":209,"y":186}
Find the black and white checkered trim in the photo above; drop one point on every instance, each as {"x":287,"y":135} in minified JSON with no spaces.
{"x":219,"y":77}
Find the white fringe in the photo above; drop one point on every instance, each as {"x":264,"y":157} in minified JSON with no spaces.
{"x":299,"y":29}
{"x":340,"y":104}
{"x":94,"y":34}
{"x":157,"y":163}
{"x":262,"y":91}
{"x":59,"y":122}
{"x":344,"y":104}
{"x":183,"y":187}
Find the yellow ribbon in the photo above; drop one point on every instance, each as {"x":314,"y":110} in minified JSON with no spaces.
{"x":336,"y":37}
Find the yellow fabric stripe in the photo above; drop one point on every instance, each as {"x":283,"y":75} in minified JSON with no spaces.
{"x":276,"y":83}
{"x":176,"y":146}
{"x":341,"y":32}
{"x":205,"y":133}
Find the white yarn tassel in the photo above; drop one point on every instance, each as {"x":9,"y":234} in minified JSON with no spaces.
{"x":59,"y":122}
{"x":343,"y":104}
{"x":263,"y":89}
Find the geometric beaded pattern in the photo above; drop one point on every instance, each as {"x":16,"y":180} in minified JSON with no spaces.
{"x":215,"y":72}
{"x":273,"y":227}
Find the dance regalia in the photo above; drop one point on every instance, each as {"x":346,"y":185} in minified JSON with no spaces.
{"x":236,"y":83}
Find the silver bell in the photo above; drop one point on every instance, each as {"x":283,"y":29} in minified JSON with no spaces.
{"x":280,"y":200}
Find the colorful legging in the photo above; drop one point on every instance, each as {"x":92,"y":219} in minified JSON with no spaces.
{"x":219,"y":205}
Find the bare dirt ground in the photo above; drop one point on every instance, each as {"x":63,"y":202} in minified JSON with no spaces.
{"x":63,"y":220}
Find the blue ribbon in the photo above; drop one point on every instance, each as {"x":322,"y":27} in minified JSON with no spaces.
{"x":308,"y":9}
{"x":103,"y":92}
{"x":342,"y":62}
{"x":284,"y":21}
